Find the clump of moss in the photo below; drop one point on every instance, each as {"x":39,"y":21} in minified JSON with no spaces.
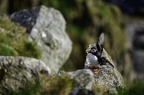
{"x":7,"y":50}
{"x":14,"y":42}
{"x":136,"y":88}
{"x":31,"y":88}
{"x":56,"y":85}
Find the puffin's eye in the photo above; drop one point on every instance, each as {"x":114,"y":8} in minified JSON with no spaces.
{"x":93,"y":50}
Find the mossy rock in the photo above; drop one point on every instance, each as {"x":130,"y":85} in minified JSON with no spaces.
{"x":53,"y":85}
{"x":14,"y":41}
{"x":56,"y":85}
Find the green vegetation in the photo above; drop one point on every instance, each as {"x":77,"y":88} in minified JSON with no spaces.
{"x":62,"y":85}
{"x":136,"y":88}
{"x":54,"y":85}
{"x":30,"y":89}
{"x":13,"y":41}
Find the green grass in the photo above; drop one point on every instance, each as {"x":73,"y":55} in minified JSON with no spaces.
{"x":14,"y":41}
{"x":30,"y":89}
{"x":137,"y":88}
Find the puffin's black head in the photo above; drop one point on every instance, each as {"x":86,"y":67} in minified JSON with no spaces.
{"x":97,"y":49}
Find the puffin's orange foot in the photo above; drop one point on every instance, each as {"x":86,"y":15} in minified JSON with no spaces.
{"x":96,"y":71}
{"x":92,"y":67}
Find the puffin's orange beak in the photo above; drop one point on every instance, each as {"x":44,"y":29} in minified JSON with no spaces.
{"x":88,"y":51}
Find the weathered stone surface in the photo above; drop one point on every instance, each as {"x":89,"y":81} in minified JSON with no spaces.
{"x":107,"y":80}
{"x":26,"y":18}
{"x":78,"y":91}
{"x":15,"y":72}
{"x":46,"y":27}
{"x":84,"y":78}
{"x":137,"y":57}
{"x":135,"y":33}
{"x":135,"y":44}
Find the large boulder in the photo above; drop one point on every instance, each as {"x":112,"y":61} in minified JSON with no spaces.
{"x":15,"y":72}
{"x":107,"y":80}
{"x":46,"y":27}
{"x":84,"y":78}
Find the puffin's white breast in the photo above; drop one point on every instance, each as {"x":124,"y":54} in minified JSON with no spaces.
{"x":93,"y":59}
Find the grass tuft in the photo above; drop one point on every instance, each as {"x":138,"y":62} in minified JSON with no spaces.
{"x":14,"y":41}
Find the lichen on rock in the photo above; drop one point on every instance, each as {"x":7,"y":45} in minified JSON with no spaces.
{"x":107,"y":80}
{"x":17,"y":71}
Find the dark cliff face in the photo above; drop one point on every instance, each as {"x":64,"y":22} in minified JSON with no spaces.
{"x":131,"y":7}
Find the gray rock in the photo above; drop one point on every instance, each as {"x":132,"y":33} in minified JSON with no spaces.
{"x":78,"y":91}
{"x":17,"y":71}
{"x":46,"y":27}
{"x":135,"y":34}
{"x":26,"y":18}
{"x":84,"y":78}
{"x":135,"y":44}
{"x":138,"y":59}
{"x":107,"y":80}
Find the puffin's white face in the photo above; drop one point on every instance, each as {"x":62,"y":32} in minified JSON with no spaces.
{"x":91,"y":49}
